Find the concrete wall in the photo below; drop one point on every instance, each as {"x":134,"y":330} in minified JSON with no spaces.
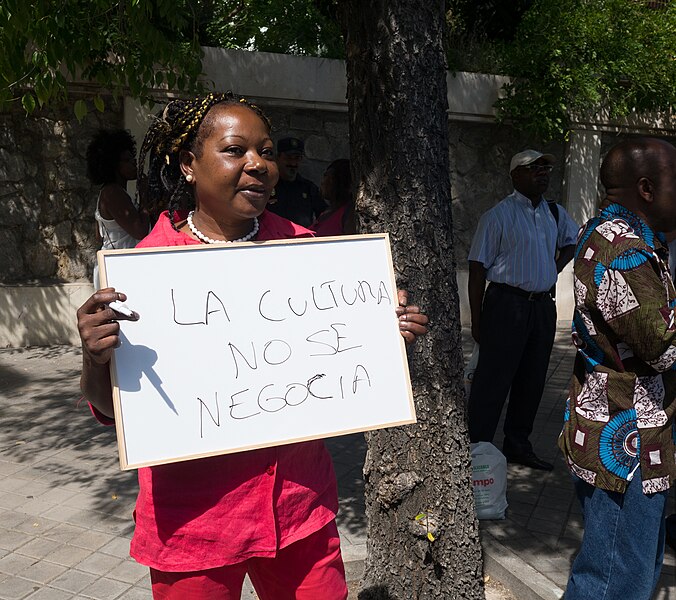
{"x":41,"y":315}
{"x":43,"y":166}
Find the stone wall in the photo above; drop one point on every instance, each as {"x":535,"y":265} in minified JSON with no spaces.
{"x":48,"y":203}
{"x":48,"y":243}
{"x":480,"y":155}
{"x":325,"y":134}
{"x":49,"y":233}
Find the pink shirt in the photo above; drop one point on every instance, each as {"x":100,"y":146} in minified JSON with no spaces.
{"x":331,"y":225}
{"x":215,"y":511}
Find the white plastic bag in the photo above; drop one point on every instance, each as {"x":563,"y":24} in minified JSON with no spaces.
{"x":470,"y":368}
{"x":489,"y":480}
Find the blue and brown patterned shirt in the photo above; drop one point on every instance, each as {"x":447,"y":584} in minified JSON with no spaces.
{"x":620,"y":414}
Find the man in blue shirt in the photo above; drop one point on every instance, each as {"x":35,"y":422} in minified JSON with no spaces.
{"x":520,"y":246}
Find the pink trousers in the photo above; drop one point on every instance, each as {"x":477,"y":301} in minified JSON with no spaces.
{"x":310,"y":568}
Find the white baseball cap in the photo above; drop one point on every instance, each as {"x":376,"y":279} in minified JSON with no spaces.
{"x":527,"y":157}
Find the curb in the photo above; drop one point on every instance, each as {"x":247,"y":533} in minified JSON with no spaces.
{"x":354,"y":571}
{"x":522,"y":580}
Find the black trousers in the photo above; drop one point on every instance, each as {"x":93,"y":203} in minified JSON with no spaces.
{"x":517,"y":335}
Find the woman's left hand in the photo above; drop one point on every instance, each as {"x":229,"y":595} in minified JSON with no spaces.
{"x":412,"y":322}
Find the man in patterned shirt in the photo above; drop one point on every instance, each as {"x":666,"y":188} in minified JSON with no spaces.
{"x":618,"y":437}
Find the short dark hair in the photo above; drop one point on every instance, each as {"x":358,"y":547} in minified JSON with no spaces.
{"x":103,"y":154}
{"x":631,"y":159}
{"x":341,"y":194}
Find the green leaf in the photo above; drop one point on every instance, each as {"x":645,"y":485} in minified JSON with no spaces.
{"x":570,"y":58}
{"x":80,"y":109}
{"x":41,"y":91}
{"x":98,"y":103}
{"x":28,"y":102}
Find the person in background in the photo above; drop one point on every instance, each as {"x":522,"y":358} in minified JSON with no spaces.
{"x":671,"y":241}
{"x":202,"y":525}
{"x":336,"y":190}
{"x":618,"y":436}
{"x":296,"y":198}
{"x":111,"y":164}
{"x":520,"y":247}
{"x":671,"y":519}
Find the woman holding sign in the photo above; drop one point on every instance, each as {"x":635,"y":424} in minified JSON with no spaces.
{"x":202,"y":525}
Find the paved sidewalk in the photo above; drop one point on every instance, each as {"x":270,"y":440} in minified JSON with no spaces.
{"x":65,"y":507}
{"x":532,"y":549}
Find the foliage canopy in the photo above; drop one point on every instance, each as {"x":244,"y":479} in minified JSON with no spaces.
{"x":135,"y":46}
{"x":568,"y":59}
{"x":572,"y":59}
{"x":289,"y":27}
{"x":127,"y":45}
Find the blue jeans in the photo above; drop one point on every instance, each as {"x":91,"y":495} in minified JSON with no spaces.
{"x":623,"y":544}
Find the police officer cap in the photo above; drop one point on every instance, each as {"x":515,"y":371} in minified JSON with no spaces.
{"x":290,"y":144}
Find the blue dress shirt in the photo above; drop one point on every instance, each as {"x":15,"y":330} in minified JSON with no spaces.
{"x":517,"y":242}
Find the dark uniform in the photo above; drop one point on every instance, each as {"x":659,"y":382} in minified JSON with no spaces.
{"x":298,"y":200}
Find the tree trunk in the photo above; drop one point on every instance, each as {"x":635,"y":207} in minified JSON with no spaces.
{"x":400,"y":160}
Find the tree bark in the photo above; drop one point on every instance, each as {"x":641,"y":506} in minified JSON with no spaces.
{"x":399,"y":149}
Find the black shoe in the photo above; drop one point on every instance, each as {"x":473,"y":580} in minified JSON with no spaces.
{"x":529,"y":459}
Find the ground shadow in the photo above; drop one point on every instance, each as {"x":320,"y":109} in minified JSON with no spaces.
{"x":348,"y":453}
{"x":47,"y":427}
{"x":543,"y":524}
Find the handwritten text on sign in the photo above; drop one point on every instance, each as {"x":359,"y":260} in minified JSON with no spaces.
{"x":255,"y":345}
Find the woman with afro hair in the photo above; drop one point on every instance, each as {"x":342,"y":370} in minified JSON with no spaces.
{"x":111,"y":163}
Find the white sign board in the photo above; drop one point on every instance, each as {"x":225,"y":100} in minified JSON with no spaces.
{"x":250,"y":345}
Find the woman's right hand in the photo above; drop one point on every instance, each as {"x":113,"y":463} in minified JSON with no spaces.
{"x":98,"y":325}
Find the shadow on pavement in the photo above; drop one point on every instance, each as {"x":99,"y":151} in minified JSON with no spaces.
{"x":46,"y":428}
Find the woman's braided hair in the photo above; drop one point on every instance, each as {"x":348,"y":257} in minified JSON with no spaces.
{"x":182,"y":125}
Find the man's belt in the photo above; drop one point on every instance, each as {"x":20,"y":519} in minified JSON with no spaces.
{"x":532,"y":296}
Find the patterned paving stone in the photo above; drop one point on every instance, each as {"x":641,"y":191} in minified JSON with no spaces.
{"x":64,"y":476}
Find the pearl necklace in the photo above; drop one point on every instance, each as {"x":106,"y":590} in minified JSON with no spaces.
{"x":199,"y":235}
